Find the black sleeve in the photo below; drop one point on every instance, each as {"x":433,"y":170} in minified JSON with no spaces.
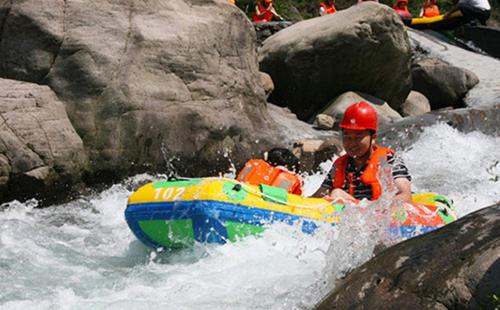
{"x":399,"y":169}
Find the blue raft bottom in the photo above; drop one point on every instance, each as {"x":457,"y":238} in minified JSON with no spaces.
{"x":209,"y":216}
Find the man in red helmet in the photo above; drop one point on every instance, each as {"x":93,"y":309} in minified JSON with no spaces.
{"x":354,"y":175}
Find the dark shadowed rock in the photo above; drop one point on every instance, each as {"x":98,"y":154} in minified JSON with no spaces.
{"x":40,"y":152}
{"x":316,"y":60}
{"x":145,"y":81}
{"x":442,"y":84}
{"x":486,"y":38}
{"x":455,"y":267}
{"x":264,"y":30}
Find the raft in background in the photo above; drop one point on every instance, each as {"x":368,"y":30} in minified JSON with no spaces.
{"x":438,"y":22}
{"x":175,"y":214}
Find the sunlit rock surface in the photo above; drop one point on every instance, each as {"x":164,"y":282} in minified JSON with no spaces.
{"x":145,"y":81}
{"x":40,"y":150}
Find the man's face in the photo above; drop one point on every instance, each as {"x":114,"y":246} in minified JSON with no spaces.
{"x":356,"y":142}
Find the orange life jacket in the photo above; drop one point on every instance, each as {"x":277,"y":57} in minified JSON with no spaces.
{"x":266,"y":17}
{"x":329,"y":9}
{"x":369,"y":176}
{"x":257,"y":171}
{"x":431,"y":11}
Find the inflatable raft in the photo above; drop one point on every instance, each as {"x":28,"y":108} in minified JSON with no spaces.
{"x":437,"y":22}
{"x":175,"y":214}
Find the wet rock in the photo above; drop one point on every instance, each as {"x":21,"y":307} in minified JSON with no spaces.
{"x":318,"y":59}
{"x":293,"y":128}
{"x":415,"y":104}
{"x":405,"y":132}
{"x":40,"y":151}
{"x":145,"y":82}
{"x":337,"y":107}
{"x":324,"y":121}
{"x":314,"y":152}
{"x":483,"y":37}
{"x":455,"y":267}
{"x":442,"y":84}
{"x":266,"y":82}
{"x":265,"y":30}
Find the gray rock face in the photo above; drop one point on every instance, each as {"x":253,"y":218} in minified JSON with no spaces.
{"x":314,"y":152}
{"x":324,"y":121}
{"x":337,"y":107}
{"x":456,"y":267}
{"x":266,"y":82}
{"x":363,"y":48}
{"x":415,"y":104}
{"x":39,"y":147}
{"x":442,"y":84}
{"x":144,"y":82}
{"x":266,"y":29}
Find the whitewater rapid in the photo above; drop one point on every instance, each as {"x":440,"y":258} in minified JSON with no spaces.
{"x":81,"y":255}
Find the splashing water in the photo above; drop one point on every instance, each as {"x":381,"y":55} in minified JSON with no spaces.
{"x":465,"y":167}
{"x":82,"y":255}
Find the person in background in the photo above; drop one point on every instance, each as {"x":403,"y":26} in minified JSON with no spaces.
{"x":472,"y":10}
{"x":232,"y":1}
{"x":265,"y":12}
{"x":429,"y":9}
{"x":327,"y":7}
{"x":278,"y":168}
{"x":354,"y":175}
{"x":401,"y":7}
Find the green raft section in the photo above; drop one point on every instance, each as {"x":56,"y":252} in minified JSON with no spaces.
{"x":179,"y":233}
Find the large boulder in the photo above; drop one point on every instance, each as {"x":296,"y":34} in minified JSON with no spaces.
{"x":40,"y":151}
{"x":415,"y":104}
{"x":456,"y":267}
{"x":318,"y":59}
{"x":145,"y":82}
{"x":442,"y":84}
{"x":337,"y":107}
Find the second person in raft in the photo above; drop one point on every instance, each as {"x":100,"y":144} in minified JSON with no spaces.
{"x":279,"y":168}
{"x":354,"y":175}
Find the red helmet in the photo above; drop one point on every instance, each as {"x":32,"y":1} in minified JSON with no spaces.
{"x":360,"y":116}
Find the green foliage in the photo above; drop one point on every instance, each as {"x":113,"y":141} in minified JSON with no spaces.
{"x":304,"y":9}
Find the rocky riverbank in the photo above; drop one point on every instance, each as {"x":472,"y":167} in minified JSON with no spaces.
{"x":149,"y":94}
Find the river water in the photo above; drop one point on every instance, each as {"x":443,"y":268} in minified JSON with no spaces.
{"x":81,"y":255}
